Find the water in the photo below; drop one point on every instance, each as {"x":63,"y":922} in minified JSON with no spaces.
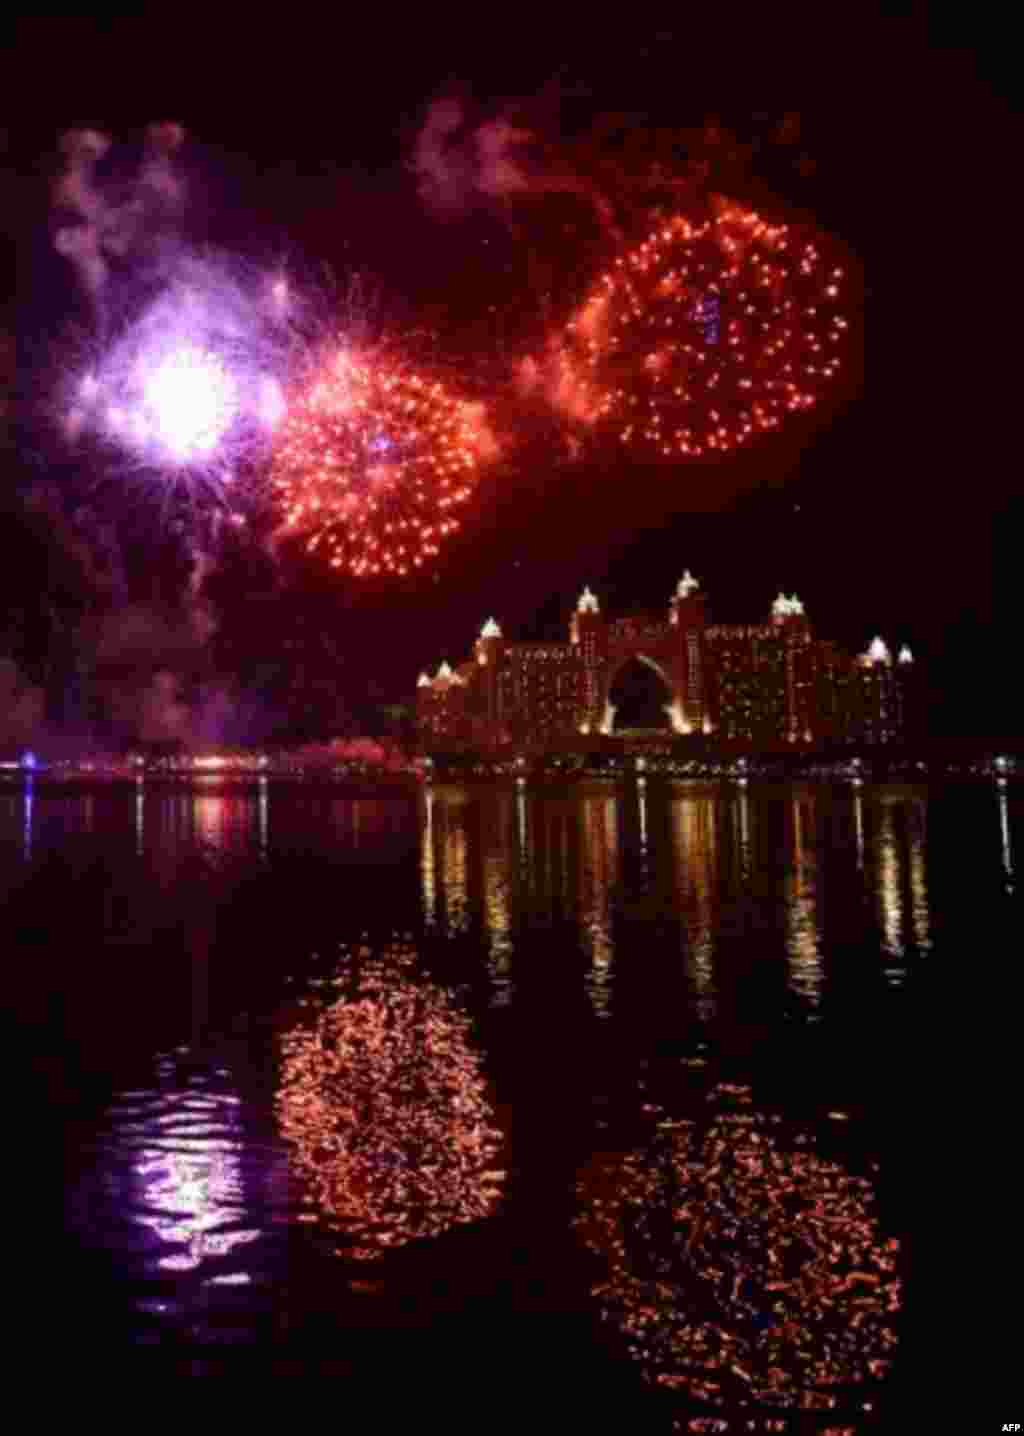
{"x":609,"y":1087}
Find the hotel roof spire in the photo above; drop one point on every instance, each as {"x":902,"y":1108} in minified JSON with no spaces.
{"x":588,"y":602}
{"x":784,"y":607}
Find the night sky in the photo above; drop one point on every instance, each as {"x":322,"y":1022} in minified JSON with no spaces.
{"x":887,"y":511}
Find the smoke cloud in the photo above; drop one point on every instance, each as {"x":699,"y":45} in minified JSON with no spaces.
{"x":99,"y":219}
{"x":456,"y":164}
{"x":147,"y":665}
{"x":444,"y":170}
{"x":556,"y":380}
{"x":163,"y":715}
{"x":22,"y":706}
{"x":143,"y":637}
{"x":85,"y":542}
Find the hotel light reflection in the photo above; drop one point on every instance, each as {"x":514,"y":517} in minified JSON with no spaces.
{"x":600,"y":860}
{"x":918,"y":881}
{"x":263,"y":817}
{"x":1004,"y":834}
{"x":140,"y":818}
{"x":694,"y":862}
{"x":890,"y":896}
{"x":522,"y":833}
{"x":805,"y":968}
{"x":456,"y":891}
{"x":209,"y":815}
{"x":858,"y":820}
{"x":29,"y":800}
{"x":743,"y":804}
{"x":428,"y":864}
{"x":497,"y":857}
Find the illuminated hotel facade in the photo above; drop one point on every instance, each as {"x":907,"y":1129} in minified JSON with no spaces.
{"x":761,"y":685}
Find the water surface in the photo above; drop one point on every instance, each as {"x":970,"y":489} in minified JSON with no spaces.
{"x":614,"y":1080}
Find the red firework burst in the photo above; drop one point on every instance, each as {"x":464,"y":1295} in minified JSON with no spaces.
{"x":704,"y":335}
{"x":373,"y":461}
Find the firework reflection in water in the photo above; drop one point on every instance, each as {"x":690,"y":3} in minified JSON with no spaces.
{"x":742,"y":1270}
{"x":383,"y":1100}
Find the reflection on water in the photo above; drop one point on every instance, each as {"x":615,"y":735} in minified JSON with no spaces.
{"x":444,"y":858}
{"x":516,"y":868}
{"x":805,"y":972}
{"x":27,"y":831}
{"x":890,"y":900}
{"x":522,"y":832}
{"x":1004,"y":835}
{"x":739,"y":1265}
{"x":743,"y":1258}
{"x":173,"y":838}
{"x":427,"y":862}
{"x":694,"y":867}
{"x":916,"y":819}
{"x":455,"y":872}
{"x":190,"y":1192}
{"x":173,"y":1185}
{"x":743,"y":806}
{"x":223,"y":825}
{"x":382,"y":1098}
{"x":599,"y":855}
{"x":497,"y":895}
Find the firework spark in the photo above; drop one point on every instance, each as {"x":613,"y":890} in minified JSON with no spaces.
{"x":702,"y":337}
{"x":374,"y":460}
{"x":190,"y":389}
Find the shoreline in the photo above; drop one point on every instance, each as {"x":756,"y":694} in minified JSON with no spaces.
{"x":440,"y":782}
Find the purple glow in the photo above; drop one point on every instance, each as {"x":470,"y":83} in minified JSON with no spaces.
{"x":193,"y":387}
{"x":272,"y":404}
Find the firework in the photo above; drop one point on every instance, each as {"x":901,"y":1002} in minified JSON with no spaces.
{"x":741,"y":1265}
{"x":384,"y":1103}
{"x":373,"y":461}
{"x":702,"y":337}
{"x":190,"y":389}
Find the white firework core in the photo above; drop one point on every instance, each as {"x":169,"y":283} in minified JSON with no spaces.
{"x":190,"y":400}
{"x":192,"y":388}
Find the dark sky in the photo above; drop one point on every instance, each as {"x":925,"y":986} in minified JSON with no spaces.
{"x":888,"y":514}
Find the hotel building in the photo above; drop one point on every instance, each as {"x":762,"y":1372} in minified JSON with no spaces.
{"x":760,"y":685}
